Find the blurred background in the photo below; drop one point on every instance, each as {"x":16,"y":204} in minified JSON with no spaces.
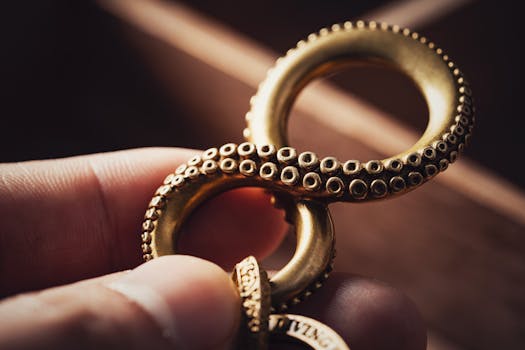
{"x":85,"y":76}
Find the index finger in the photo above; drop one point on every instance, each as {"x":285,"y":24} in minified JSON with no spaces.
{"x":75,"y":218}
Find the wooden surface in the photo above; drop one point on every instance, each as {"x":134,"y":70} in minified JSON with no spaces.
{"x":456,"y":245}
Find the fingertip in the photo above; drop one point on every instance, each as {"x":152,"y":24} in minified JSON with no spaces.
{"x":187,"y":297}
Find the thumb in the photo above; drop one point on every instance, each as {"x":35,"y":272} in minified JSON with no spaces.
{"x":175,"y":301}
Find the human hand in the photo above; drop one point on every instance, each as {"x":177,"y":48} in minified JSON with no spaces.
{"x":71,"y":220}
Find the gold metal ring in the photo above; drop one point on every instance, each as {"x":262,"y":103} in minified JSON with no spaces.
{"x":254,"y":291}
{"x":179,"y":196}
{"x":305,"y":330}
{"x":451,"y":111}
{"x":440,"y":81}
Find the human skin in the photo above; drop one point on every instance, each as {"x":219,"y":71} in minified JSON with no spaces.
{"x":71,"y":273}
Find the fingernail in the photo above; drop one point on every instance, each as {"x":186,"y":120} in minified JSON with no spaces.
{"x":192,"y":300}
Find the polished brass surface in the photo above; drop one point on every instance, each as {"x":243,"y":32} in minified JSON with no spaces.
{"x":306,"y":183}
{"x":440,"y":81}
{"x":307,"y":331}
{"x":254,"y":290}
{"x":215,"y":171}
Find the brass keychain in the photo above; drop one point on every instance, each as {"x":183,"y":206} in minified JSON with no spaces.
{"x":305,"y":184}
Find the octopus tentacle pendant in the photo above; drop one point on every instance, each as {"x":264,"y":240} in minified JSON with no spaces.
{"x":308,"y":182}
